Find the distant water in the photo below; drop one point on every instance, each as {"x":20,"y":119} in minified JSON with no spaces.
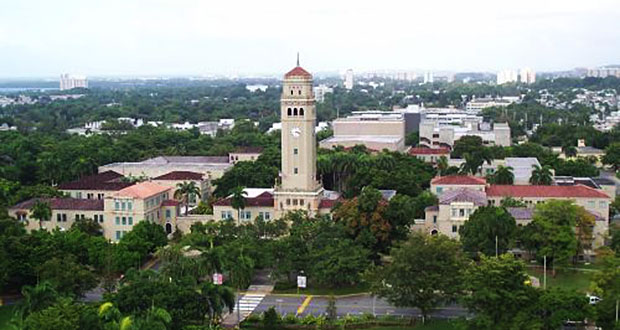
{"x":22,"y":89}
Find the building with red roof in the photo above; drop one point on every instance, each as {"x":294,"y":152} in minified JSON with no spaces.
{"x":429,"y":155}
{"x":441,"y":184}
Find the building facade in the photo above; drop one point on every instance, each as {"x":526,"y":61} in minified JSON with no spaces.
{"x":68,"y":81}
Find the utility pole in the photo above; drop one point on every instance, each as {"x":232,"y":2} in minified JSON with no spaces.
{"x":375,"y":314}
{"x":496,"y":249}
{"x":545,"y":273}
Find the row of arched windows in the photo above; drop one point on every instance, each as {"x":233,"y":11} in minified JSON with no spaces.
{"x":295,"y":112}
{"x":299,"y":92}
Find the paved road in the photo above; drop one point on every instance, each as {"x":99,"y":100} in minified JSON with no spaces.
{"x":286,"y":304}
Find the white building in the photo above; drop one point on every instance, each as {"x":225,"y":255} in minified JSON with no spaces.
{"x":428,"y":77}
{"x":320,"y":91}
{"x":348,"y":79}
{"x":507,"y":76}
{"x":477,"y":104}
{"x":527,"y":76}
{"x":68,"y":81}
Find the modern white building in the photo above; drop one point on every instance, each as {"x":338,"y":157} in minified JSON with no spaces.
{"x":524,"y":75}
{"x":527,"y":76}
{"x":348,"y":79}
{"x":68,"y":81}
{"x":438,"y":132}
{"x":477,"y":104}
{"x":320,"y":91}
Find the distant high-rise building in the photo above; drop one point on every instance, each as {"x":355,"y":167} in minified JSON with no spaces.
{"x":604,"y":71}
{"x":507,"y":76}
{"x":428,"y":77}
{"x":527,"y":76}
{"x":68,"y":81}
{"x":320,"y":91}
{"x":348,"y":79}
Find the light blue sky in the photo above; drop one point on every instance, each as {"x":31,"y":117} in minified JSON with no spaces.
{"x":198,"y":37}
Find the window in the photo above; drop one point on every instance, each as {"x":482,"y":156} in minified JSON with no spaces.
{"x":267,"y":216}
{"x":129,"y":206}
{"x":167,"y":214}
{"x":101,"y":218}
{"x":295,"y":151}
{"x":118,"y":235}
{"x":461,"y":212}
{"x":288,"y":201}
{"x":58,"y":217}
{"x":294,"y":111}
{"x":130,"y":221}
{"x":591,"y":204}
{"x":64,"y":217}
{"x":247,"y":215}
{"x":223,"y":214}
{"x":439,"y":190}
{"x":117,"y":220}
{"x":79,"y":194}
{"x":117,"y":205}
{"x":100,"y":196}
{"x":82,"y":217}
{"x":454,"y":228}
{"x":294,"y":201}
{"x":90,"y":196}
{"x":301,"y":111}
{"x":289,"y":111}
{"x":124,"y":220}
{"x":455,"y":213}
{"x":123,"y":205}
{"x":291,"y":92}
{"x":301,"y":202}
{"x":299,"y":92}
{"x":602,"y":204}
{"x":77,"y":217}
{"x":434,"y":219}
{"x":261,"y":215}
{"x":295,"y":170}
{"x":96,"y":218}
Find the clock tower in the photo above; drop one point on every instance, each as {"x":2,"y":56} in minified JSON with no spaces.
{"x":298,"y":187}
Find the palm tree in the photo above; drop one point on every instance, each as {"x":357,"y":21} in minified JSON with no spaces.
{"x":442,"y":165}
{"x":38,"y":297}
{"x":217,"y":298}
{"x":541,"y":176}
{"x":471,"y":165}
{"x":41,"y":211}
{"x":238,"y":200}
{"x":569,"y":151}
{"x":184,"y":191}
{"x":503,"y":175}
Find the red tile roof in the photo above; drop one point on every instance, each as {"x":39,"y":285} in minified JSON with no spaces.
{"x":108,"y":180}
{"x":180,"y":175}
{"x":328,"y":203}
{"x":298,"y":72}
{"x":429,"y":151}
{"x":248,"y":150}
{"x":170,"y":202}
{"x":459,"y":180}
{"x":265,"y":199}
{"x":576,"y":191}
{"x":64,"y":204}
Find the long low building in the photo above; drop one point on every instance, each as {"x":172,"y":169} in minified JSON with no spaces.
{"x":212,"y":166}
{"x":459,"y":197}
{"x":376,"y":130}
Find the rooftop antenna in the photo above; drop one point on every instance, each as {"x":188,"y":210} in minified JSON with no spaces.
{"x":297,"y":58}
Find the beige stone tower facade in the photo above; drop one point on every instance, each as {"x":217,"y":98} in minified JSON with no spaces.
{"x":298,"y":187}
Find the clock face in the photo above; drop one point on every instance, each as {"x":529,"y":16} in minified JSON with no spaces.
{"x":296,"y":131}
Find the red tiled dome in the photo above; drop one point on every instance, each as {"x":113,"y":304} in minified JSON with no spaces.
{"x":297,"y":72}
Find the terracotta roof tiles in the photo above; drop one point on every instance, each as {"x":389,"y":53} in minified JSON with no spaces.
{"x":576,"y":191}
{"x":459,"y":180}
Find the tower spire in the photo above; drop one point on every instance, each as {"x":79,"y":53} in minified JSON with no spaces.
{"x":297,"y":58}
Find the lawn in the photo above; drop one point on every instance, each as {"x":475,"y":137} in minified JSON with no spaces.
{"x":6,"y":313}
{"x":431,"y":325}
{"x":286,"y":288}
{"x":568,"y":279}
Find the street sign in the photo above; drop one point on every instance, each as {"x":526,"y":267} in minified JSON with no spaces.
{"x":301,"y":282}
{"x":218,"y":279}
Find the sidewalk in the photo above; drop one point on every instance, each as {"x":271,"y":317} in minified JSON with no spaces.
{"x":248,"y":301}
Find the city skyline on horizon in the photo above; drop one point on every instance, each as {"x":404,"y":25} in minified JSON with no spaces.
{"x":171,"y":38}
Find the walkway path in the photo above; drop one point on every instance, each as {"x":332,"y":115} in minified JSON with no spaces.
{"x":261,"y":286}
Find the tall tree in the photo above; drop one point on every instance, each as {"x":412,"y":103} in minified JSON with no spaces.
{"x":612,"y":156}
{"x":41,"y":211}
{"x":442,"y":165}
{"x":425,"y":271}
{"x":498,"y":295}
{"x":541,"y":175}
{"x":185,"y":190}
{"x":238,"y":200}
{"x":488,"y":228}
{"x":503,"y":175}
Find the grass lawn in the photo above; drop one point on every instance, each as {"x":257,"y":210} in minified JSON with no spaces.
{"x":568,"y":279}
{"x":286,"y":288}
{"x":6,"y":313}
{"x":430,"y":325}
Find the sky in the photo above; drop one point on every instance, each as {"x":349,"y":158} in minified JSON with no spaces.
{"x":40,"y":38}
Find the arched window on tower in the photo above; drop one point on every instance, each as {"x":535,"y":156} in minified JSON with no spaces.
{"x":291,"y":91}
{"x":299,"y":92}
{"x":301,"y":111}
{"x":294,"y":111}
{"x":290,"y":111}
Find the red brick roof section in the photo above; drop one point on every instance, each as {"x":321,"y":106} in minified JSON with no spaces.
{"x":298,"y":72}
{"x":180,"y":175}
{"x":328,"y":203}
{"x":429,"y":151}
{"x":265,"y":199}
{"x":108,"y":180}
{"x":248,"y":150}
{"x":459,"y":180}
{"x":576,"y":191}
{"x":64,"y":204}
{"x":170,"y":202}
